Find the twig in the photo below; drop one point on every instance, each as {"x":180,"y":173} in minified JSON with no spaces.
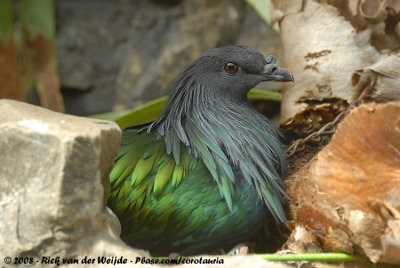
{"x":292,"y":149}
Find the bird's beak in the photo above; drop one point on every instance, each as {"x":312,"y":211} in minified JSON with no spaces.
{"x":272,"y":72}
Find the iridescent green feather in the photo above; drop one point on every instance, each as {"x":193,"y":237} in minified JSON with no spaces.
{"x":164,"y":174}
{"x":143,"y":168}
{"x":155,"y":198}
{"x":181,"y":170}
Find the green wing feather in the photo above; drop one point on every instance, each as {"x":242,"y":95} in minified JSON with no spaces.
{"x":192,"y":203}
{"x":142,"y":169}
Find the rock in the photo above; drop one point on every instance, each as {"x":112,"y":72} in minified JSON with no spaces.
{"x":348,"y":195}
{"x":119,"y":54}
{"x":54,"y":178}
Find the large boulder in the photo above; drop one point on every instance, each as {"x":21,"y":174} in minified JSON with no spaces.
{"x":54,"y":177}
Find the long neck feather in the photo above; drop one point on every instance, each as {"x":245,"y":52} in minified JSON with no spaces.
{"x":229,"y":135}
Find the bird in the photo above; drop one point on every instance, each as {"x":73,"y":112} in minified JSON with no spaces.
{"x":209,"y":170}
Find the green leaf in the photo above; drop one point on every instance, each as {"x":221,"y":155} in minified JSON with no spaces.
{"x":40,"y":71}
{"x":265,"y":95}
{"x":320,"y":257}
{"x":112,"y":116}
{"x":6,"y":20}
{"x":338,"y":257}
{"x":38,"y":17}
{"x":144,"y":113}
{"x":150,"y":111}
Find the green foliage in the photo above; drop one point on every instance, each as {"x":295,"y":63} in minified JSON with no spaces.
{"x":310,"y":257}
{"x":264,"y":95}
{"x":332,"y":256}
{"x":142,"y":114}
{"x":6,"y":21}
{"x":29,"y":53}
{"x":38,"y":17}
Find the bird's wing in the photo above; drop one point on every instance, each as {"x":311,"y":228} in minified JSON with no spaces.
{"x":151,"y":194}
{"x":144,"y":164}
{"x":143,"y":156}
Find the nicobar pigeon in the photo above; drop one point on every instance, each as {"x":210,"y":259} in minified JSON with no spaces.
{"x":206,"y":173}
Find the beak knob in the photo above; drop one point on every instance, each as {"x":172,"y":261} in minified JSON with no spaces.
{"x":271,"y":59}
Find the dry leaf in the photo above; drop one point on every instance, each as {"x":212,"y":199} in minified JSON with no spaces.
{"x":386,"y":77}
{"x":322,"y":50}
{"x":334,"y":49}
{"x":331,"y":194}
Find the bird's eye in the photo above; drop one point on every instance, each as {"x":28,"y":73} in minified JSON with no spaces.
{"x":231,"y":68}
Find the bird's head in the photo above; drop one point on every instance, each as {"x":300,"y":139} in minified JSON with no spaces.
{"x":232,"y":71}
{"x":216,"y":82}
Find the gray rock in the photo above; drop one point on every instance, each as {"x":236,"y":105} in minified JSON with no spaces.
{"x":54,"y":177}
{"x":114,"y":55}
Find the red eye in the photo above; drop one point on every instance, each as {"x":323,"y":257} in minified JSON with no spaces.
{"x":231,"y":68}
